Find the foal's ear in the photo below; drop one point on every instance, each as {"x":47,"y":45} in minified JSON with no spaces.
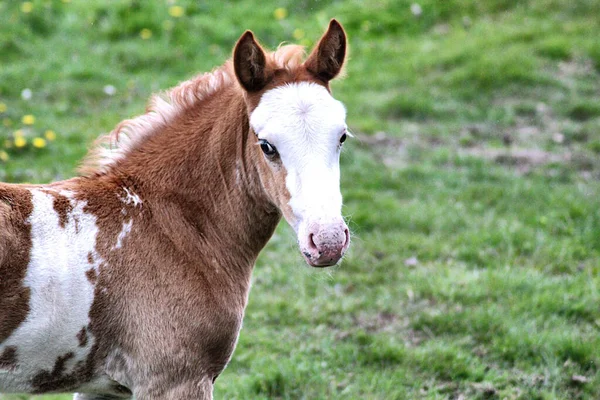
{"x":327,"y":59}
{"x":249,"y":62}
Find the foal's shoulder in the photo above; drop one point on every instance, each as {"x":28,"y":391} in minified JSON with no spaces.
{"x":15,"y":209}
{"x":15,"y":199}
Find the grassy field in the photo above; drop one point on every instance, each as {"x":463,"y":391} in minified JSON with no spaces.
{"x":472,"y":186}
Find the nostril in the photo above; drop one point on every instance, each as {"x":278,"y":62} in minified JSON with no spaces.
{"x":347,"y":233}
{"x":311,"y":242}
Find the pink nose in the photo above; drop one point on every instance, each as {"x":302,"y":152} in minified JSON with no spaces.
{"x":325,"y":244}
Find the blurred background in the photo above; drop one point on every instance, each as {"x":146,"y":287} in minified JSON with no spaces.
{"x":471,"y":186}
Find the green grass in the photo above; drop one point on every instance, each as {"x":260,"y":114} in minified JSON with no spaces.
{"x":472,"y":187}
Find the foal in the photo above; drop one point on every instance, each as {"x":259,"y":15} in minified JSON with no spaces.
{"x":132,"y":279}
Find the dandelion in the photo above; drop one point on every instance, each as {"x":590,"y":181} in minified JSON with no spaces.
{"x":416,"y":9}
{"x":26,"y":7}
{"x":110,"y":89}
{"x":280,"y":13}
{"x":145,"y":33}
{"x":20,"y":142}
{"x":50,"y":135}
{"x":4,"y":156}
{"x":26,"y":94}
{"x":176,"y":11}
{"x":39,"y":143}
{"x":3,"y":107}
{"x":298,"y":34}
{"x":28,"y":119}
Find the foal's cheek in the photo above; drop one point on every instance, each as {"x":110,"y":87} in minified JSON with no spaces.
{"x":283,"y":196}
{"x":273,"y":177}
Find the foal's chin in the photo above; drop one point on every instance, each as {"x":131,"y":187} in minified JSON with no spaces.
{"x":320,"y":264}
{"x":323,"y":259}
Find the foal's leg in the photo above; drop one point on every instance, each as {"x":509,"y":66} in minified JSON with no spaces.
{"x":189,"y":390}
{"x":87,"y":396}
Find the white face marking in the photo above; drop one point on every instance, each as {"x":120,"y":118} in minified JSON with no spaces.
{"x":60,"y":292}
{"x":305,"y":123}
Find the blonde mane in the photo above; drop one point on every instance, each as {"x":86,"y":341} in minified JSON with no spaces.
{"x":163,"y":107}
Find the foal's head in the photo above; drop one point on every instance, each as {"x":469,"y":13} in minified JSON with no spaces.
{"x":300,"y":129}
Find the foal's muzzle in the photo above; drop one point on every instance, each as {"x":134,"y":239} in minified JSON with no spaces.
{"x":324,"y":243}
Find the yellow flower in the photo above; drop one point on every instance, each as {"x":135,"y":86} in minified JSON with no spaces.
{"x":18,"y":133}
{"x":4,"y":156}
{"x":176,"y":11}
{"x":26,"y":7}
{"x":145,"y":33}
{"x":50,"y":135}
{"x":280,"y":13}
{"x":20,"y":141}
{"x":3,"y":107}
{"x":298,"y":34}
{"x":39,"y":142}
{"x":28,"y":119}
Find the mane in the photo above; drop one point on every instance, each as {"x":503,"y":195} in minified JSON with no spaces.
{"x":164,"y":107}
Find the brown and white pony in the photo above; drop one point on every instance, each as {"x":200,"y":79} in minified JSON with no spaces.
{"x":132,"y":279}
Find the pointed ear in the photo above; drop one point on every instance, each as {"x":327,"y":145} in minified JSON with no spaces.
{"x":249,"y":63}
{"x":327,"y":59}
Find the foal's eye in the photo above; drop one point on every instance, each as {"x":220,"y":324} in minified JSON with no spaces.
{"x":267,"y":148}
{"x":343,"y":138}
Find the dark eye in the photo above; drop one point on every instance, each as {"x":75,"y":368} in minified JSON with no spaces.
{"x":267,"y":148}
{"x":343,"y":138}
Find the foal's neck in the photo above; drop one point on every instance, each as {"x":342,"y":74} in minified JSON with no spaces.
{"x":201,"y":180}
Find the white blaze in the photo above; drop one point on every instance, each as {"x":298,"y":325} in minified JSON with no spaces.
{"x":305,"y":123}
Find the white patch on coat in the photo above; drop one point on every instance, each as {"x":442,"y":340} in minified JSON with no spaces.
{"x":60,"y":292}
{"x":131,"y":198}
{"x":123,"y":234}
{"x":305,"y":123}
{"x":69,"y":194}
